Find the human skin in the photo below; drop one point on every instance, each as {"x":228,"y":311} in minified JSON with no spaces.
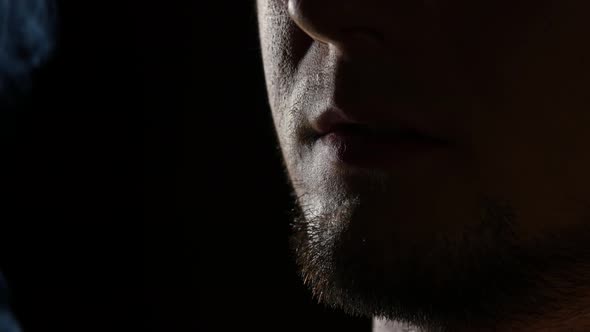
{"x":489,"y":233}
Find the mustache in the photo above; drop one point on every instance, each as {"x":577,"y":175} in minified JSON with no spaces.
{"x":27,"y":39}
{"x":367,"y":88}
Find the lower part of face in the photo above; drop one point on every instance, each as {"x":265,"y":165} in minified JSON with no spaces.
{"x":495,"y":228}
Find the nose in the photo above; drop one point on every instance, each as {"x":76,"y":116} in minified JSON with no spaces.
{"x":344,"y":24}
{"x":358,"y":24}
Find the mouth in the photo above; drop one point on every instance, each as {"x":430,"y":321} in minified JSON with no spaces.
{"x":365,"y":147}
{"x":359,"y":131}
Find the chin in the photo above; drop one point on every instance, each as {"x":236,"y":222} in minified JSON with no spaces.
{"x":364,"y":263}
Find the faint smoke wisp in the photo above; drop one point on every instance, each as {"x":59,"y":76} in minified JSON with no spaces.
{"x":27,"y":38}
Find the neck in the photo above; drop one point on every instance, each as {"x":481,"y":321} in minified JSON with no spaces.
{"x":578,"y":323}
{"x":381,"y":325}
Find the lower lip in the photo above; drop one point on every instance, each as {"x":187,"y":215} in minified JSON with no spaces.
{"x":370,"y":152}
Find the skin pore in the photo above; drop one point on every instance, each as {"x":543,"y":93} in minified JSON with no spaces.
{"x":491,"y":233}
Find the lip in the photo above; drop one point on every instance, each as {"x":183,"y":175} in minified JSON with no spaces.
{"x":362,"y":140}
{"x":376,"y":151}
{"x":372,"y":145}
{"x":334,"y":120}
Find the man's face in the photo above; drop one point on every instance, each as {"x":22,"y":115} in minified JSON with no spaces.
{"x":492,"y":221}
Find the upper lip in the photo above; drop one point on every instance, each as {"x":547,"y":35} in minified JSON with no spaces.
{"x":334,"y":120}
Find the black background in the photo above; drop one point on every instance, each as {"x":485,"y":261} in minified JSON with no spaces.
{"x":142,"y":187}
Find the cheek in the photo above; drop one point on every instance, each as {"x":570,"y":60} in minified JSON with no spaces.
{"x":283,"y":48}
{"x":539,"y":162}
{"x":530,"y":137}
{"x":283,"y":44}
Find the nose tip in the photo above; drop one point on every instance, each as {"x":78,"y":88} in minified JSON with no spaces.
{"x":339,"y":23}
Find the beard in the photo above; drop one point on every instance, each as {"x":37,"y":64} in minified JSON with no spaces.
{"x":473,"y":280}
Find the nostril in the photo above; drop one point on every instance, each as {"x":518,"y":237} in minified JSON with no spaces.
{"x":360,"y":42}
{"x":362,"y":35}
